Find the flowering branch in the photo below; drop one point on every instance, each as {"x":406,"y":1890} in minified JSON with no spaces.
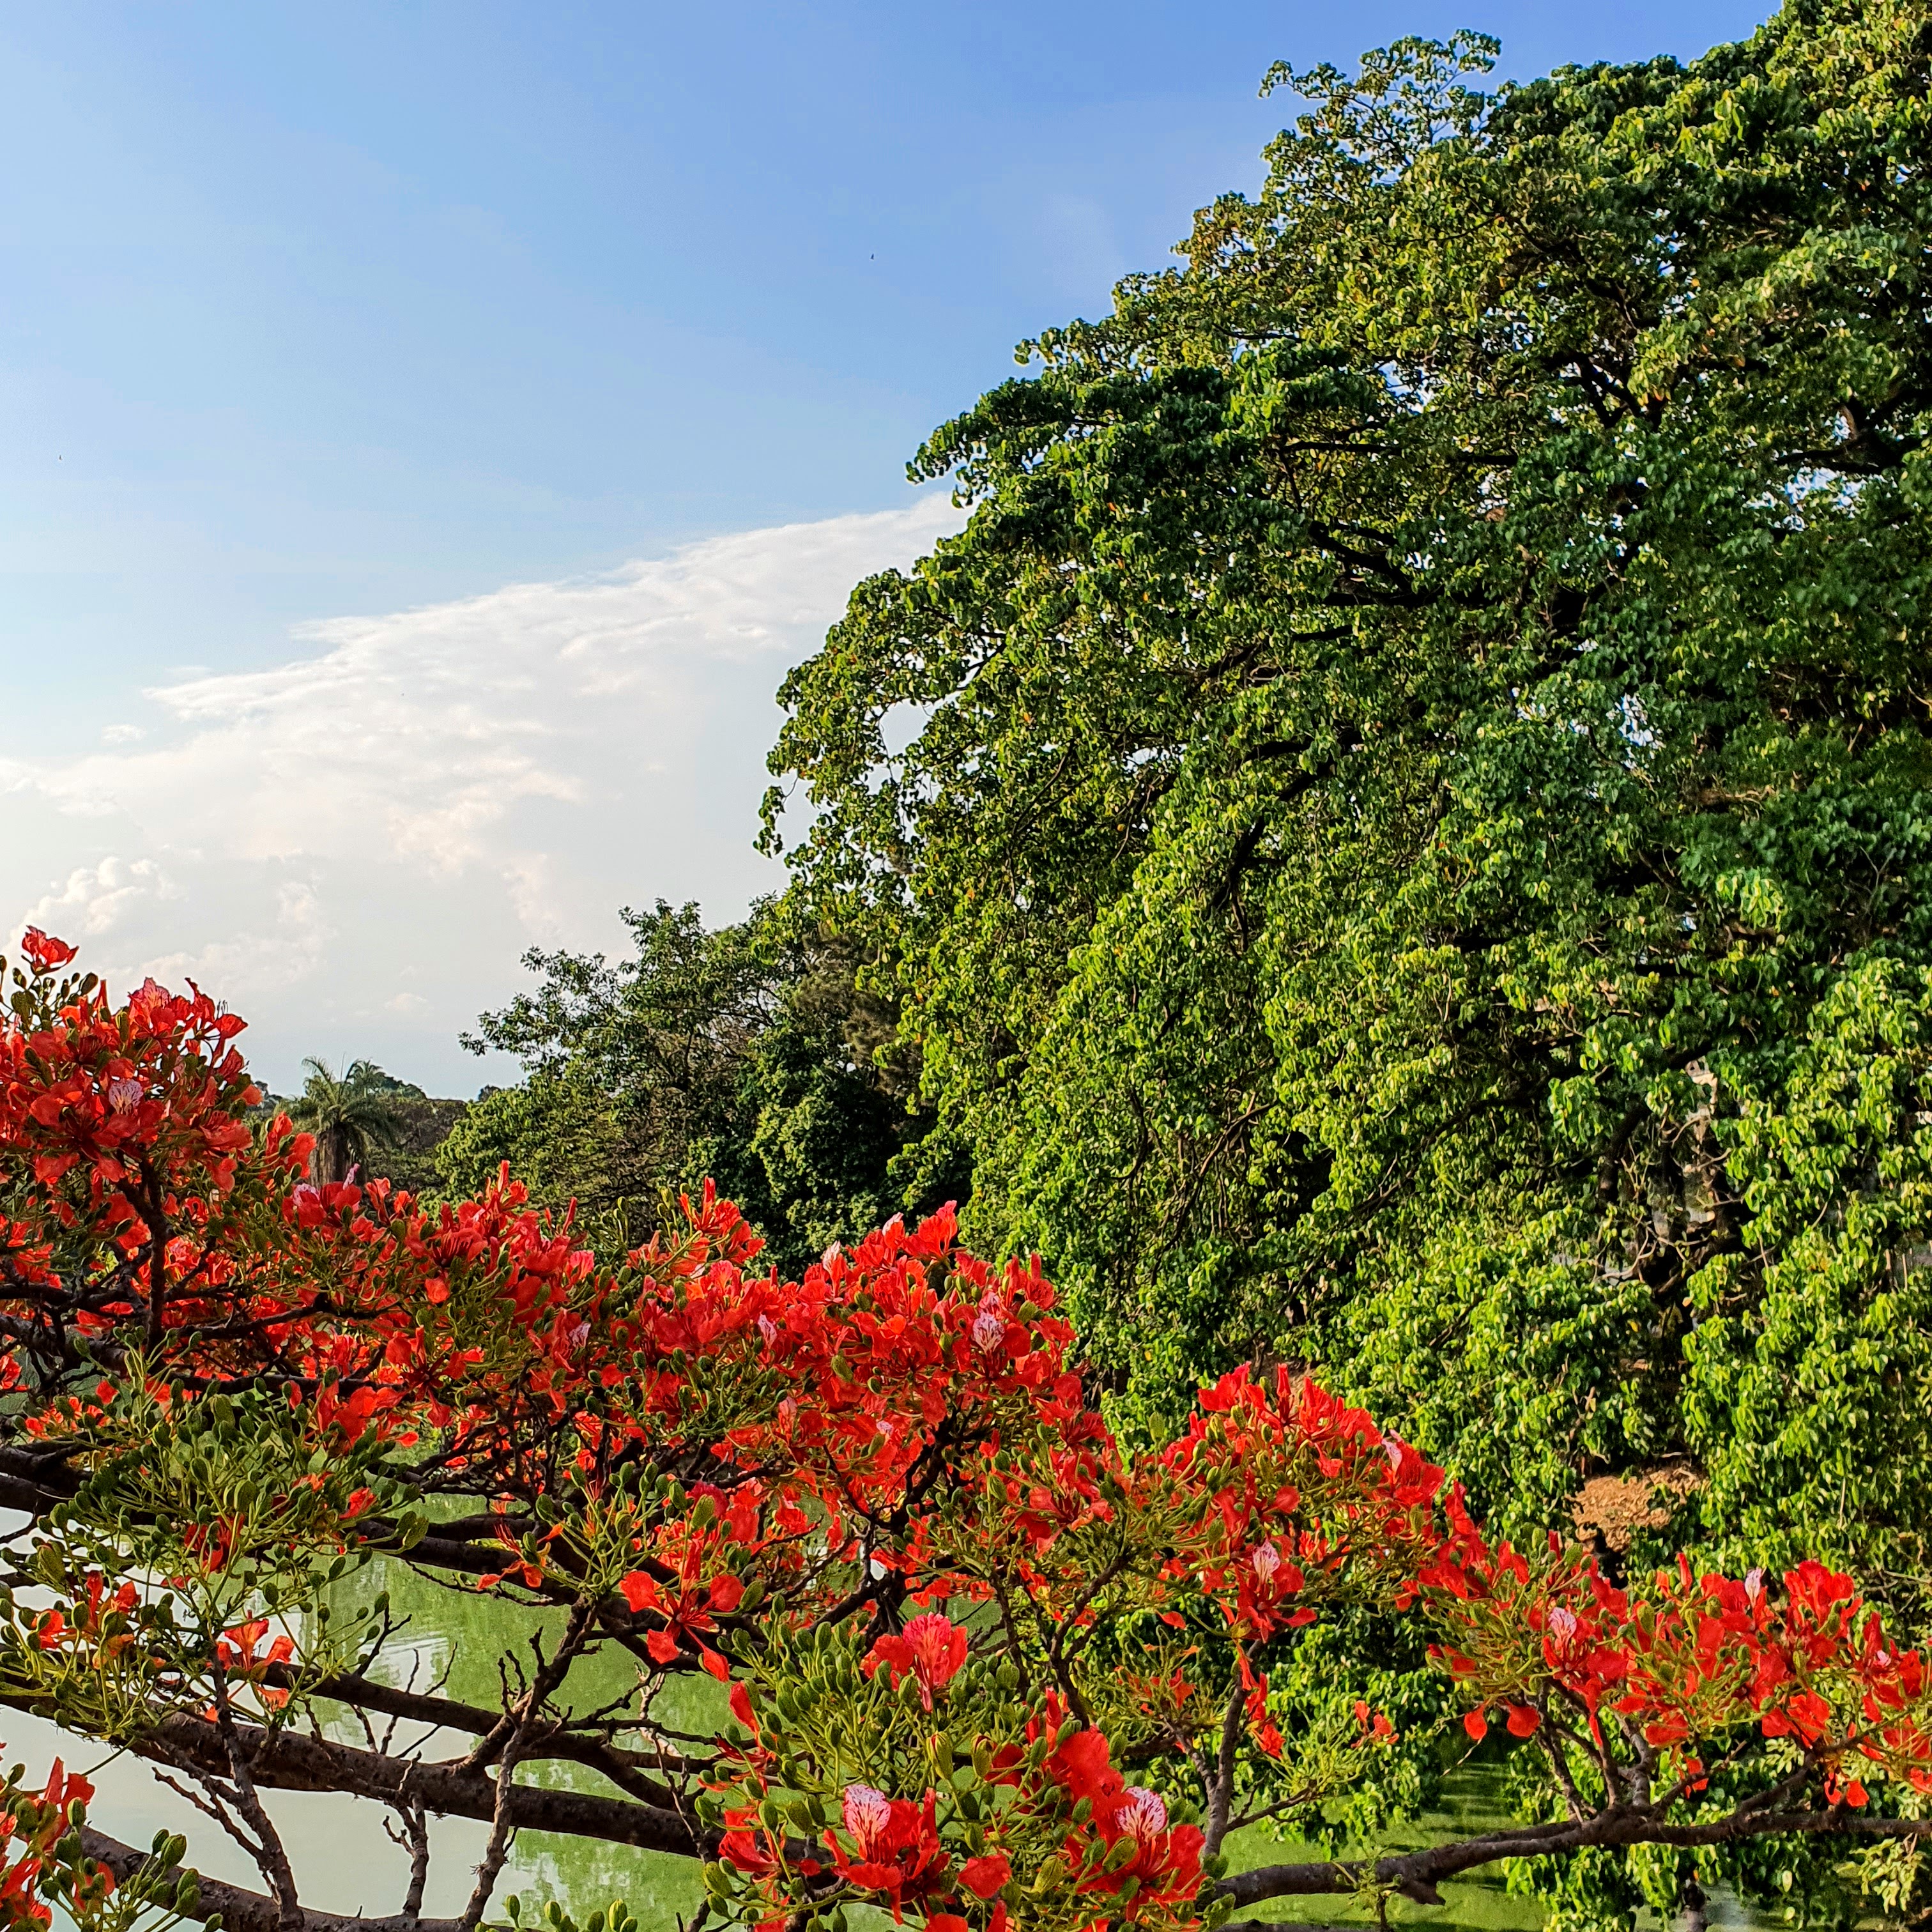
{"x":985,"y":1666}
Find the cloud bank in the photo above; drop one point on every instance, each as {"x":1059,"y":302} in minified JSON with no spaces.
{"x":354,"y":847}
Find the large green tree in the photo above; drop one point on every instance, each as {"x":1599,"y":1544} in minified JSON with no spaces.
{"x":1411,"y":848}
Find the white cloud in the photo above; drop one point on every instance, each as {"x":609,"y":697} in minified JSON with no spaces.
{"x":93,"y":899}
{"x":265,"y":956}
{"x":420,"y":796}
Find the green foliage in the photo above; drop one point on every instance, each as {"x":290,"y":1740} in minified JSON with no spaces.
{"x":561,"y":1138}
{"x":1413,"y":854}
{"x":417,"y":1126}
{"x":156,"y":1895}
{"x":745,"y":1053}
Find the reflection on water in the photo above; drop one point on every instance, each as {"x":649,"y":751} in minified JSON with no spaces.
{"x":344,"y":1860}
{"x":451,"y":1642}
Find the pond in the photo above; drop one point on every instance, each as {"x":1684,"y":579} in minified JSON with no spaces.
{"x":346,"y":1862}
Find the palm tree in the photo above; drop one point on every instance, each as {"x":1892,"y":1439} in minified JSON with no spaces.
{"x":349,"y":1113}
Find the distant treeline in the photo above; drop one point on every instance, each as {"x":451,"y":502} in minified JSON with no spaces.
{"x":748,"y":1054}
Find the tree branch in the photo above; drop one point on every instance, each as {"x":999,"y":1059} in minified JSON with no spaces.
{"x":1416,"y":1874}
{"x":286,"y":1761}
{"x":240,"y":1909}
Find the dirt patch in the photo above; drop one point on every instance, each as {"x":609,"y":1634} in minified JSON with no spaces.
{"x":1616,"y":1507}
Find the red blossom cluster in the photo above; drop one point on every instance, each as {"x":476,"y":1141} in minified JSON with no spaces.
{"x":245,"y":1658}
{"x":1296,"y":1491}
{"x":1050,"y":1799}
{"x":930,"y":1651}
{"x":1690,"y":1659}
{"x":1126,"y":1851}
{"x":895,"y":1847}
{"x":130,"y":1096}
{"x":99,"y":1619}
{"x":685,"y":1609}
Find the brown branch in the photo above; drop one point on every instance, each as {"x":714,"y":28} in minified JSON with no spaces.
{"x":501,"y":1832}
{"x":528,"y":1709}
{"x":241,"y":1910}
{"x":1221,"y":1793}
{"x":153,"y":1213}
{"x":1416,"y":1874}
{"x":270,"y":1854}
{"x":621,"y":1766}
{"x":414,"y":1838}
{"x":287,"y":1761}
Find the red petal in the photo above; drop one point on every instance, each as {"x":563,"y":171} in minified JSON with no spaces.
{"x":983,"y":1877}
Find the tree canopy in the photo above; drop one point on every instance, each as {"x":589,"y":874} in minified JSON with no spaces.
{"x":1399,"y":830}
{"x":746,"y":1055}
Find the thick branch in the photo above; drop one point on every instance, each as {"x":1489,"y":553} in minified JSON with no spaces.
{"x":620,"y":1765}
{"x":287,"y":1761}
{"x":1416,"y":1874}
{"x":240,"y":1909}
{"x":1221,"y":1794}
{"x":269,"y":1852}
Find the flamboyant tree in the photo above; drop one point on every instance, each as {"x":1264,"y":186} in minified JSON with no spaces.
{"x":986,"y":1667}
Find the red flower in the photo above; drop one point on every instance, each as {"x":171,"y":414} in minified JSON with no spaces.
{"x":931,"y":1648}
{"x":1142,"y":1814}
{"x":898,"y":1846}
{"x":1166,"y":1863}
{"x":42,"y":953}
{"x":236,"y":1651}
{"x":868,"y":1813}
{"x":983,"y":1877}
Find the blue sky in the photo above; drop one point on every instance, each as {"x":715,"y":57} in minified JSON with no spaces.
{"x":352,"y":313}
